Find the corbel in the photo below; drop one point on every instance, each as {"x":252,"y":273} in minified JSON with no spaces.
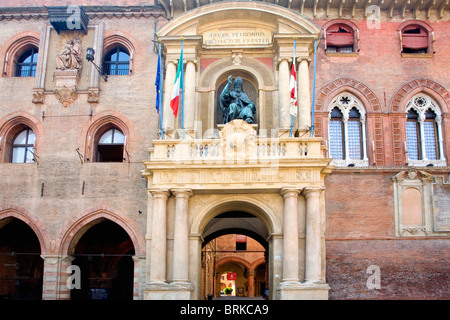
{"x":327,"y":9}
{"x":355,"y":2}
{"x":366,"y":6}
{"x":315,"y":8}
{"x":341,"y":6}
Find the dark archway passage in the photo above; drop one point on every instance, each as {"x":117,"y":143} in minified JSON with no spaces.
{"x":234,"y":246}
{"x":21,"y":266}
{"x":104,"y":255}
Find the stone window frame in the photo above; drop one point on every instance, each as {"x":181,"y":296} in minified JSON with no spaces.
{"x":431,"y":39}
{"x":423,"y":182}
{"x":117,"y":40}
{"x":421,"y":110}
{"x":355,"y":30}
{"x":97,"y":129}
{"x":10,"y":127}
{"x":17,"y":46}
{"x":354,"y":102}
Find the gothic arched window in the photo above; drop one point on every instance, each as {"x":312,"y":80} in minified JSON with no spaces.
{"x":117,"y":62}
{"x":423,"y":132}
{"x":27,"y":62}
{"x":346,"y":131}
{"x":110,"y":146}
{"x":23,"y":147}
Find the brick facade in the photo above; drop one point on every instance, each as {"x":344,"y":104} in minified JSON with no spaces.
{"x":64,"y":192}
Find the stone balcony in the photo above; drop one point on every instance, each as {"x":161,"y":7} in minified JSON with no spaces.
{"x":238,"y":158}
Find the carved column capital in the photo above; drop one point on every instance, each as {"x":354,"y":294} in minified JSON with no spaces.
{"x":311,"y":191}
{"x":182,"y":192}
{"x":159,"y":193}
{"x":288,"y":192}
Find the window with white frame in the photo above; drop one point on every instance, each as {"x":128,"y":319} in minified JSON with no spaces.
{"x":346,"y":131}
{"x":424,"y":145}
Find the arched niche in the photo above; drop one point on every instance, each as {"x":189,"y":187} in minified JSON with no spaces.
{"x":256,"y":38}
{"x":258,"y":84}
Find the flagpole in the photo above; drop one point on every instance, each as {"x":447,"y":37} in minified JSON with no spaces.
{"x":182,"y":89}
{"x":293,"y":63}
{"x":314,"y":89}
{"x":161,"y":109}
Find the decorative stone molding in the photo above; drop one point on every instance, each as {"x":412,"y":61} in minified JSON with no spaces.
{"x":420,"y":205}
{"x":38,"y":96}
{"x":433,"y":88}
{"x":66,"y":86}
{"x":93,"y":95}
{"x":351,"y":85}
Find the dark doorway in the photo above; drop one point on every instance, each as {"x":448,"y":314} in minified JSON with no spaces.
{"x":21,"y":266}
{"x":104,"y":255}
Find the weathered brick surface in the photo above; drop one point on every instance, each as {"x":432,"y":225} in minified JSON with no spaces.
{"x":359,"y":205}
{"x":360,"y":233}
{"x":409,"y":269}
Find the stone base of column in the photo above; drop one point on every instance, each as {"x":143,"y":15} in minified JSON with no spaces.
{"x":168,"y":291}
{"x":303,"y":291}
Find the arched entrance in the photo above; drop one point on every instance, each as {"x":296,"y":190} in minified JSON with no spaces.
{"x":231,"y":261}
{"x":234,"y":243}
{"x":238,"y":233}
{"x":104,"y":255}
{"x":21,"y":266}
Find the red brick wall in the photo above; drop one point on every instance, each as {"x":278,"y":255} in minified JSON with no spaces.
{"x":409,"y":269}
{"x":384,"y":81}
{"x":360,"y":233}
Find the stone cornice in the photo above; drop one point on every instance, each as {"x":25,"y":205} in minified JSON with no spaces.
{"x":99,"y":12}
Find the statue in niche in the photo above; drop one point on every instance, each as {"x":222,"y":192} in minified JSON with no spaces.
{"x":70,"y":56}
{"x":235,"y":104}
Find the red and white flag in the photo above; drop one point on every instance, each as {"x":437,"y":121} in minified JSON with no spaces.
{"x":177,"y":87}
{"x":293,"y":90}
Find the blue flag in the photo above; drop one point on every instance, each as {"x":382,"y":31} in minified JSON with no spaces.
{"x":158,"y":80}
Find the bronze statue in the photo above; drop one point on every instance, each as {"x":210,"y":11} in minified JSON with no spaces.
{"x":70,"y":56}
{"x":235,"y":104}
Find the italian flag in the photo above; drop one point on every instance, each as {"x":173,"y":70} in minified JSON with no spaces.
{"x":293,"y":90}
{"x":177,"y":87}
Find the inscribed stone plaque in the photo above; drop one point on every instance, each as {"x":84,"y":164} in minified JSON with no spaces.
{"x":237,"y":37}
{"x":441,"y":207}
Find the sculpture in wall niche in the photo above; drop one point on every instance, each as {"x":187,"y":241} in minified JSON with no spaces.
{"x":67,"y":73}
{"x":235,"y":104}
{"x":70,"y":57}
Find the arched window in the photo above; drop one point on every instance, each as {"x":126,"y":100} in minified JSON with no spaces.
{"x":23,"y":147}
{"x":412,"y":135}
{"x":346,"y":131}
{"x":117,"y":62}
{"x":414,"y":39}
{"x":424,"y":142}
{"x":26,"y":63}
{"x":336,"y":134}
{"x":340,"y":38}
{"x":354,"y":134}
{"x":110,"y":146}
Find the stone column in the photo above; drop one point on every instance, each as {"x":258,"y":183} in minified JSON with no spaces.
{"x":169,"y":118}
{"x":290,"y":235}
{"x":189,"y":95}
{"x":422,"y":137}
{"x":159,"y":237}
{"x":251,"y":283}
{"x":313,"y":261}
{"x":283,"y":93}
{"x":139,"y":273}
{"x":181,"y":236}
{"x":64,"y":289}
{"x":50,"y":279}
{"x":304,"y":99}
